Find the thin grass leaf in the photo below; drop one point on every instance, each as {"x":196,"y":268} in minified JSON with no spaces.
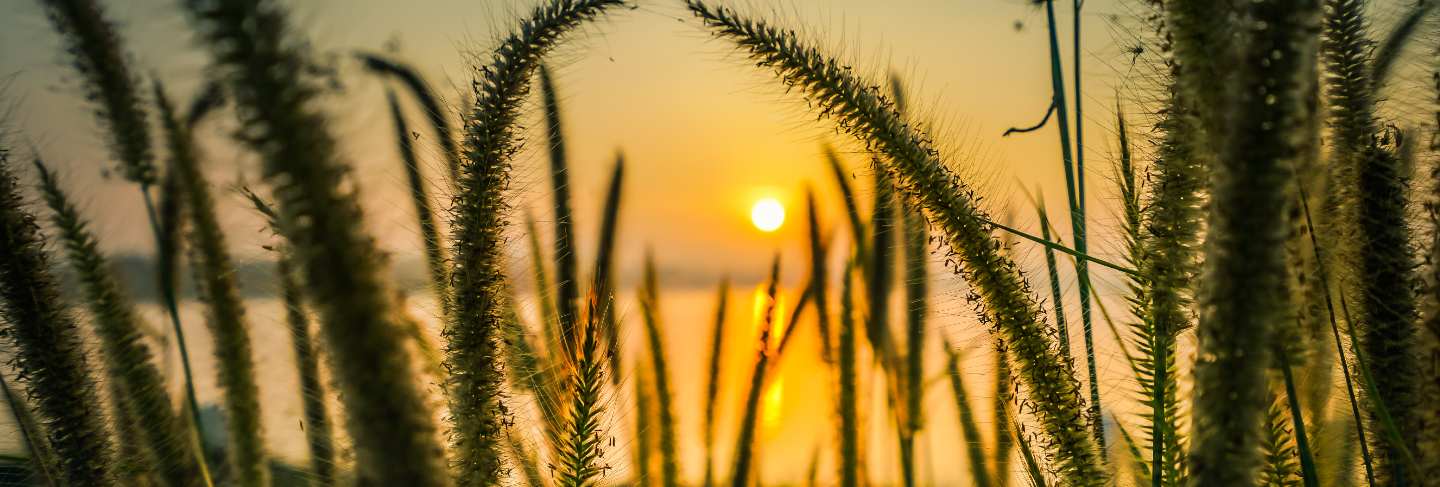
{"x":1389,"y":51}
{"x":1056,"y":298}
{"x":566,"y":273}
{"x":644,"y":457}
{"x":974,"y":446}
{"x":602,"y":283}
{"x":818,"y":277}
{"x":650,"y":308}
{"x":1004,"y":444}
{"x":318,"y":435}
{"x":431,"y":104}
{"x":852,"y":210}
{"x":712,"y":382}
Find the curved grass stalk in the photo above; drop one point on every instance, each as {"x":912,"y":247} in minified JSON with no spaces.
{"x":849,"y":414}
{"x":1244,"y":288}
{"x":602,"y":282}
{"x":567,"y":289}
{"x":476,"y":398}
{"x":42,"y":456}
{"x":1389,"y":51}
{"x":1003,"y":296}
{"x":712,"y":382}
{"x":318,"y":430}
{"x":221,"y":295}
{"x":98,"y":56}
{"x":318,"y":436}
{"x":818,"y":277}
{"x":390,"y":421}
{"x":650,"y":307}
{"x":745,"y":440}
{"x":127,"y":358}
{"x":420,"y":197}
{"x":974,"y":446}
{"x":435,"y":111}
{"x":48,"y":353}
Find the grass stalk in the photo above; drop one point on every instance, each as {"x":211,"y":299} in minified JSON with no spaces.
{"x":225,"y":310}
{"x":318,"y":430}
{"x":476,"y":401}
{"x":1004,"y":437}
{"x":644,"y":434}
{"x":435,"y":111}
{"x":1062,"y":328}
{"x":974,"y":446}
{"x":712,"y":382}
{"x":745,"y":439}
{"x":318,"y":435}
{"x":1372,"y":196}
{"x":127,"y":357}
{"x":852,"y":209}
{"x":256,"y":57}
{"x":849,"y":414}
{"x":42,"y":456}
{"x":819,"y":277}
{"x":420,"y":197}
{"x":567,"y":276}
{"x":48,"y":352}
{"x":1004,"y":299}
{"x":650,"y":308}
{"x":1075,"y":192}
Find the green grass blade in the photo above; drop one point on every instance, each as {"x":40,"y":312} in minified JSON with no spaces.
{"x":549,"y":317}
{"x":566,"y":274}
{"x":849,"y":414}
{"x":852,"y":209}
{"x":974,"y":446}
{"x":1057,"y":299}
{"x":745,"y":439}
{"x":712,"y":382}
{"x":818,"y":277}
{"x":420,"y":198}
{"x":650,"y":308}
{"x":601,"y":280}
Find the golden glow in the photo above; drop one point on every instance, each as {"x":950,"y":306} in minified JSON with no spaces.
{"x":767,"y":214}
{"x":774,"y":399}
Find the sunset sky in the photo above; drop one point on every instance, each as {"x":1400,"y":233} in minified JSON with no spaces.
{"x":704,"y":135}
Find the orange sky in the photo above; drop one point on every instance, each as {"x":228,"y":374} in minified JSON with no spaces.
{"x":704,"y":134}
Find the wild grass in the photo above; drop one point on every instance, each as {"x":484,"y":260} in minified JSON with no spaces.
{"x":1229,"y":151}
{"x":215,"y":273}
{"x":1003,"y":297}
{"x":256,"y":57}
{"x":170,"y":442}
{"x":49,"y":356}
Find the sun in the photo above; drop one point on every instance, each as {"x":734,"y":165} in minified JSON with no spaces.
{"x":767,"y":214}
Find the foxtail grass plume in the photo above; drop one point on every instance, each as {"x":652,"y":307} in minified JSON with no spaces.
{"x":225,"y":311}
{"x":1243,"y":296}
{"x":263,"y":65}
{"x":128,"y":360}
{"x":1003,"y":297}
{"x":48,"y":353}
{"x":435,"y":113}
{"x":476,"y":403}
{"x":98,"y":56}
{"x":650,"y":308}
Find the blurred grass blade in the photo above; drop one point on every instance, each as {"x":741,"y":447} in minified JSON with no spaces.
{"x":712,"y":382}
